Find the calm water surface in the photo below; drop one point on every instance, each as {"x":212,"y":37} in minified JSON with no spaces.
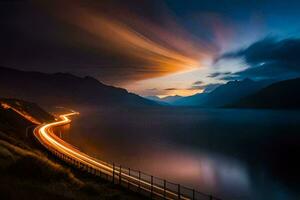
{"x":234,"y":154}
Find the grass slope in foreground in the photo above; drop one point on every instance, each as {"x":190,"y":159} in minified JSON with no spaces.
{"x":28,"y":173}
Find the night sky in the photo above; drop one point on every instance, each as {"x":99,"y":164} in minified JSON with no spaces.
{"x":154,"y":47}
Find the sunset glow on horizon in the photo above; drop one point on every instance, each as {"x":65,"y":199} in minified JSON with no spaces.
{"x":150,"y":99}
{"x":158,"y":51}
{"x":142,"y":45}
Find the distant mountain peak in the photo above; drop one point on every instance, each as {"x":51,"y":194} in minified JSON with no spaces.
{"x":175,"y":95}
{"x":92,"y":80}
{"x":224,"y":94}
{"x":167,"y":99}
{"x":247,"y":80}
{"x":283,"y":94}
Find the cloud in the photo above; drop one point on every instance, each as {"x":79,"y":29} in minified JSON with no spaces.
{"x":268,"y":58}
{"x":114,"y":41}
{"x":198,"y":83}
{"x":171,"y":89}
{"x":152,"y":89}
{"x":197,"y":87}
{"x":218,"y":74}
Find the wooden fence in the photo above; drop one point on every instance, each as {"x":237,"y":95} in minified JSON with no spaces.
{"x":135,"y":180}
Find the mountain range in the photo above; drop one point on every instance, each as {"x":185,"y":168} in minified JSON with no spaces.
{"x":283,"y":94}
{"x":230,"y":92}
{"x":164,"y":100}
{"x":64,"y":89}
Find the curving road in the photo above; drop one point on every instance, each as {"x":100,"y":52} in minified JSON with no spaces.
{"x":44,"y":133}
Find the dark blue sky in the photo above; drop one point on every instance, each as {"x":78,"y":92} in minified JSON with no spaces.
{"x":151,"y":46}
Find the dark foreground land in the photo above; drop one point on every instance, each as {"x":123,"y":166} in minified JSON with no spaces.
{"x":28,"y":172}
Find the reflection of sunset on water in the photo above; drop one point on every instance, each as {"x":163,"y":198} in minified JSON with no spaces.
{"x":203,"y":95}
{"x":205,"y":171}
{"x":155,"y":141}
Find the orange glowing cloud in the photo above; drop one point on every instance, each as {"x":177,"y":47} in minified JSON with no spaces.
{"x":150,"y":49}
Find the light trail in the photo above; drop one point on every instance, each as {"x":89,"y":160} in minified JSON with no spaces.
{"x":48,"y":139}
{"x":23,"y":114}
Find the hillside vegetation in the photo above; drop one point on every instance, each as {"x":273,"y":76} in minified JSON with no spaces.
{"x":27,"y":172}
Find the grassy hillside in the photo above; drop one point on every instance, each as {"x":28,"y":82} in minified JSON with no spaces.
{"x":27,"y":108}
{"x":27,"y":172}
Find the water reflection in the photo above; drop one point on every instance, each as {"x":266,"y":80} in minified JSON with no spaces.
{"x":210,"y":150}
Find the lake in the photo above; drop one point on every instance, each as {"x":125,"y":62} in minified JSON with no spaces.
{"x":233,"y":154}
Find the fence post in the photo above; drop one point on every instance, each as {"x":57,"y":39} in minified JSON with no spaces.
{"x":120,"y":174}
{"x":151,"y":187}
{"x":193,"y":194}
{"x":139,"y":180}
{"x":165,"y":184}
{"x":129,"y":178}
{"x":113,"y":173}
{"x":178,"y":191}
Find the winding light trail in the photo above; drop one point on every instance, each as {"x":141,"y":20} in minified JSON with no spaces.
{"x":44,"y":133}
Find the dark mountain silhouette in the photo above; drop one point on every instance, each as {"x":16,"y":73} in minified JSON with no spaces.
{"x":165,"y":100}
{"x":283,"y":94}
{"x":64,"y":89}
{"x":194,"y":100}
{"x":153,"y":98}
{"x":224,"y":94}
{"x":170,"y":99}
